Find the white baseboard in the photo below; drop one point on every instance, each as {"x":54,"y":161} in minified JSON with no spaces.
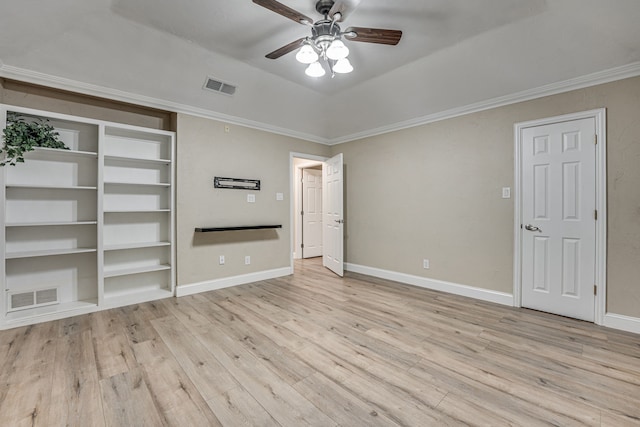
{"x":436,"y":285}
{"x":624,"y":323}
{"x":227,"y":282}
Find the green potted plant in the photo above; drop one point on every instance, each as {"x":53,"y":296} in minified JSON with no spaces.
{"x":22,"y":135}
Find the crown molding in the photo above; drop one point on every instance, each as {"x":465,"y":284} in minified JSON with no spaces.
{"x":34,"y":77}
{"x":601,"y":77}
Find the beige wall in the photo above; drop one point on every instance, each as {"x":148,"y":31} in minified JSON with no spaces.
{"x":204,"y":151}
{"x":434,"y":192}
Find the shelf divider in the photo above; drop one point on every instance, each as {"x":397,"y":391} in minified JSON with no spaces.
{"x":49,"y":224}
{"x":141,"y":245}
{"x":138,"y":270}
{"x":48,"y":252}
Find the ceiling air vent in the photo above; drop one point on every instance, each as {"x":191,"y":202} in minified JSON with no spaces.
{"x":218,"y":86}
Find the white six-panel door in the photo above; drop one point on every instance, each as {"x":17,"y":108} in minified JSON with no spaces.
{"x":312,"y":213}
{"x":558,"y":218}
{"x":332,"y":218}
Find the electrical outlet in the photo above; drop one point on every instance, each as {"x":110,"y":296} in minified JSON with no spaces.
{"x":279,"y":196}
{"x":221,"y":259}
{"x":425,"y":263}
{"x":247,"y":260}
{"x":251,"y":198}
{"x":506,"y":192}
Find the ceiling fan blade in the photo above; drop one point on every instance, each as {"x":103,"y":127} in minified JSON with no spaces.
{"x":344,"y":8}
{"x":285,"y":49}
{"x":374,"y":35}
{"x":285,"y":11}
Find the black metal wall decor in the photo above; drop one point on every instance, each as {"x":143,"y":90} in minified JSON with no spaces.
{"x":236,"y":183}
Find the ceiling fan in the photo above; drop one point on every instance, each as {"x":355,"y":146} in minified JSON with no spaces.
{"x":325,"y":41}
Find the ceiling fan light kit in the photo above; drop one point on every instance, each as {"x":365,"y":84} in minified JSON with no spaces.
{"x":343,"y":66}
{"x":325,"y":42}
{"x":337,"y":50}
{"x":315,"y":70}
{"x":307,"y":55}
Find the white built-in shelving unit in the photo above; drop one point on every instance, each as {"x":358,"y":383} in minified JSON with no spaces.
{"x":87,"y":228}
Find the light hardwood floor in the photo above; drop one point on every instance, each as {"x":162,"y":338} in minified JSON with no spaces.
{"x":314,"y":349}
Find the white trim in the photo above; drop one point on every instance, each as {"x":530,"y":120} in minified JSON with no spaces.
{"x":227,"y":282}
{"x":601,"y":77}
{"x":623,"y":323}
{"x":433,"y":284}
{"x":600,"y":117}
{"x":62,"y":83}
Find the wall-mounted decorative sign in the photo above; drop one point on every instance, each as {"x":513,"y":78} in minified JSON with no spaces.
{"x":236,"y":183}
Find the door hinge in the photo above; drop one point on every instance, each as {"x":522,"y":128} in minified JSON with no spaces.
{"x":595,"y":139}
{"x":595,"y":289}
{"x":595,"y":214}
{"x":302,"y":213}
{"x":302,"y":246}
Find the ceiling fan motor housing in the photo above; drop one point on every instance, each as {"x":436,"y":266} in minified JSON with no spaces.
{"x":325,"y":31}
{"x":324,"y":6}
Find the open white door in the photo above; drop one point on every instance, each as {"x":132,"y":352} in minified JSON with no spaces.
{"x":332,"y":215}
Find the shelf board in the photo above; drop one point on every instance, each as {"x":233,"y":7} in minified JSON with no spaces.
{"x":138,"y":270}
{"x":237,"y":228}
{"x":48,"y":224}
{"x":139,"y":211}
{"x":49,"y":252}
{"x":59,"y":152}
{"x":141,"y":184}
{"x":51,"y":310}
{"x":137,"y":160}
{"x":133,"y":296}
{"x":135,"y":246}
{"x":50,"y":187}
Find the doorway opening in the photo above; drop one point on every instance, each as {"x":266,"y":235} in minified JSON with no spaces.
{"x":327,"y":227}
{"x":313,"y":165}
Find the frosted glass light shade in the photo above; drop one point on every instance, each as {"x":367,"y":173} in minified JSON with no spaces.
{"x":343,"y":66}
{"x":315,"y":70}
{"x":306,"y":55}
{"x":337,"y":50}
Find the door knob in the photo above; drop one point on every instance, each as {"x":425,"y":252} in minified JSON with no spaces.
{"x":339,"y":221}
{"x":532,"y":228}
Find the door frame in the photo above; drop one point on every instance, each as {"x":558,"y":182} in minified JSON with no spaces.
{"x":600,"y":118}
{"x":292,"y":201}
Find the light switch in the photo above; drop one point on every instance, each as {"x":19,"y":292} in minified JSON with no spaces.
{"x":251,"y":198}
{"x":506,"y":192}
{"x":279,"y":196}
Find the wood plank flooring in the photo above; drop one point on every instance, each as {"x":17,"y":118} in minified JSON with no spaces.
{"x":316,"y":350}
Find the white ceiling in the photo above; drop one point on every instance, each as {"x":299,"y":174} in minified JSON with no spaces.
{"x":453,"y":53}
